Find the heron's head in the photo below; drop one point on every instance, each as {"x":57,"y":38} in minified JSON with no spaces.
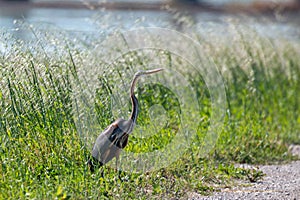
{"x":142,"y":73}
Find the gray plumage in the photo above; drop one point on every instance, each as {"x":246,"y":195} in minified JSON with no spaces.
{"x":114,"y":138}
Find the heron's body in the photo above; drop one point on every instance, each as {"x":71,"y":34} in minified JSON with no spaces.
{"x":114,"y":138}
{"x":111,"y":141}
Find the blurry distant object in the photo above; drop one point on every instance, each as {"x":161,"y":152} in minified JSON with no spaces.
{"x":269,"y":7}
{"x":253,"y":7}
{"x":13,"y":0}
{"x":187,"y":1}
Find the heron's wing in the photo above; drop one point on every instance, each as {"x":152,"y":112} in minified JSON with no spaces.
{"x":102,"y":144}
{"x":105,"y":147}
{"x":116,"y":133}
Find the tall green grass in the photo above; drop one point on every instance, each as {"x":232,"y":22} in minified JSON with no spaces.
{"x":43,"y":155}
{"x":263,"y":99}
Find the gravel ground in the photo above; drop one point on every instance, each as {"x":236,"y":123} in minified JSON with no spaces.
{"x":281,"y":182}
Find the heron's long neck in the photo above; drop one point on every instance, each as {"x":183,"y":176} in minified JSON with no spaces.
{"x":134,"y":111}
{"x":134,"y":100}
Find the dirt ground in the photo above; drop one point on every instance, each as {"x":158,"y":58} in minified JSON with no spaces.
{"x":280,"y":182}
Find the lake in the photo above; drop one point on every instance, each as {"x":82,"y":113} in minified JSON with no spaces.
{"x":104,"y":21}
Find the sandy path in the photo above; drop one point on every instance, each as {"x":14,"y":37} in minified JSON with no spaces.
{"x":280,"y":182}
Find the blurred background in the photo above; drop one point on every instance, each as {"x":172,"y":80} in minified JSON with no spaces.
{"x":271,"y":17}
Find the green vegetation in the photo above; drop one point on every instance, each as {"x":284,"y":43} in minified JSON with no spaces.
{"x":44,"y":157}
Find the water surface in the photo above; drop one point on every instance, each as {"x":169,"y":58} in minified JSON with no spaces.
{"x":87,"y":21}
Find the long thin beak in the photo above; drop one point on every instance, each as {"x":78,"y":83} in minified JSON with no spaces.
{"x":152,"y":71}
